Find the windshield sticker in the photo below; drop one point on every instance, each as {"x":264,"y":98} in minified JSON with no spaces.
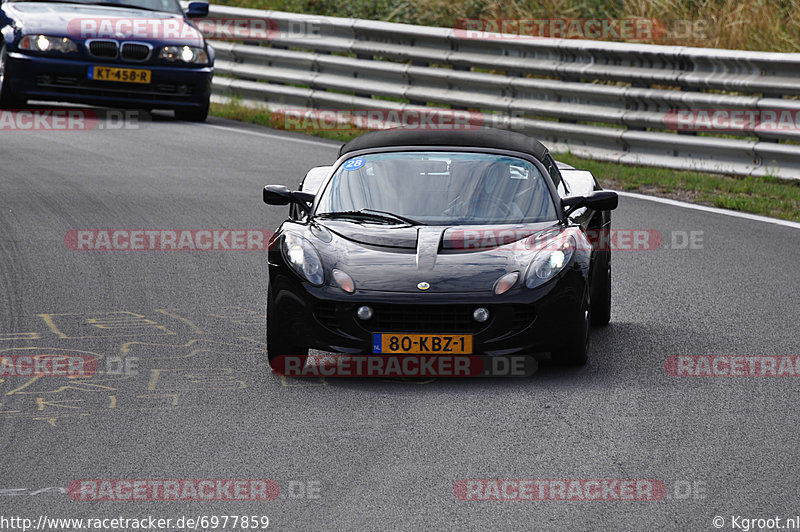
{"x":354,"y":164}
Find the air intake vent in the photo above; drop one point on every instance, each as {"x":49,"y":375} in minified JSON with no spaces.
{"x":133,"y":51}
{"x":103,"y":48}
{"x":424,"y":318}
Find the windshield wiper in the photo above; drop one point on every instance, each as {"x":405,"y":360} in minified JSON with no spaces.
{"x":406,"y":219}
{"x":370,"y":214}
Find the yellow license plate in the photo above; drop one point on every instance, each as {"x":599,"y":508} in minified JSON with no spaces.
{"x":125,"y":75}
{"x":422,"y":344}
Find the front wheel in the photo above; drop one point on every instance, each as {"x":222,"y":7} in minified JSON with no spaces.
{"x":193,"y":114}
{"x":279,"y":343}
{"x":576,"y":351}
{"x":601,"y":289}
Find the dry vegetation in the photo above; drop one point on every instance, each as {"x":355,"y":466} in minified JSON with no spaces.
{"x":768,"y":25}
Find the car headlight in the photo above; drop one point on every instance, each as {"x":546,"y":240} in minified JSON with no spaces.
{"x":303,"y":258}
{"x":185,"y":54}
{"x":46,"y":43}
{"x":549,"y":261}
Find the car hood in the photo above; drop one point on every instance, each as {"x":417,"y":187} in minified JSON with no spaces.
{"x":81,"y":22}
{"x":448,"y":258}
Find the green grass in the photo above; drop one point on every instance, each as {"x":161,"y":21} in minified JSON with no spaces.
{"x":236,"y":111}
{"x":767,"y":196}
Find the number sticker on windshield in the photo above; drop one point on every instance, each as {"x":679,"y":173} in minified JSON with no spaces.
{"x":354,"y":164}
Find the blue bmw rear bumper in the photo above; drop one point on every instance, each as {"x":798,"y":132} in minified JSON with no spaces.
{"x":67,"y":80}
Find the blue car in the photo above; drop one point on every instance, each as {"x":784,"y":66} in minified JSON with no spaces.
{"x":142,"y":54}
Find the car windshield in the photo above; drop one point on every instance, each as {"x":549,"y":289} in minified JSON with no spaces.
{"x":438,"y":188}
{"x":170,"y":6}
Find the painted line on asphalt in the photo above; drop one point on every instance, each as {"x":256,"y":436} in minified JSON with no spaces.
{"x":716,"y":210}
{"x":327,"y":144}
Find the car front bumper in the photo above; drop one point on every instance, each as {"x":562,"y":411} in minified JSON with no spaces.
{"x":66,"y":80}
{"x":522,"y":321}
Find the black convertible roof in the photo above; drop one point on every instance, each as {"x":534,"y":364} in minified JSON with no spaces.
{"x":484,"y":137}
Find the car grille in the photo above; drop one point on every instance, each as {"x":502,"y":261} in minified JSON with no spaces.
{"x":104,"y":49}
{"x":404,"y":318}
{"x":132,"y":51}
{"x":428,"y":318}
{"x":44,"y":80}
{"x":425,"y":318}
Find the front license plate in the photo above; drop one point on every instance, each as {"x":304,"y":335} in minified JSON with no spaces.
{"x":422,"y":344}
{"x":125,"y":75}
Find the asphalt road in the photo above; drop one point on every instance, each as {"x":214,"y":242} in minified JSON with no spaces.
{"x":365,"y":454}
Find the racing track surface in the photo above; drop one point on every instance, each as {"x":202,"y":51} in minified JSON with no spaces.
{"x":364,"y":454}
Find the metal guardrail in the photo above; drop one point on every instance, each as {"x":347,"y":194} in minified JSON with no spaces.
{"x":602,"y":100}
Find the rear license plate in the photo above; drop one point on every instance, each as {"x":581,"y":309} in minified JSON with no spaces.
{"x":422,"y":344}
{"x":125,"y":75}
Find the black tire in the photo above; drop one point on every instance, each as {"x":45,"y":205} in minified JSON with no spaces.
{"x":193,"y":114}
{"x":576,"y":351}
{"x":7,"y":100}
{"x":601,"y":289}
{"x":278,"y":341}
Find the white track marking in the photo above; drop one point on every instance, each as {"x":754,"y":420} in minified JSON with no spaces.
{"x":715,"y":210}
{"x":327,"y":144}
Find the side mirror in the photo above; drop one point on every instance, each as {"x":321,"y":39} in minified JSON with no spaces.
{"x":599,"y":200}
{"x":277,"y":195}
{"x":197,"y":9}
{"x":602,"y":200}
{"x":281,"y":195}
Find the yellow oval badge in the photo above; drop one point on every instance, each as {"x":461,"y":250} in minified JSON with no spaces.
{"x":423,"y":285}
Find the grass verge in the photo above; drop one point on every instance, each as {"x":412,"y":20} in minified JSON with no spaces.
{"x":767,"y":196}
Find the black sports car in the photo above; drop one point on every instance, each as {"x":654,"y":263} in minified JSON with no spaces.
{"x":440,"y":242}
